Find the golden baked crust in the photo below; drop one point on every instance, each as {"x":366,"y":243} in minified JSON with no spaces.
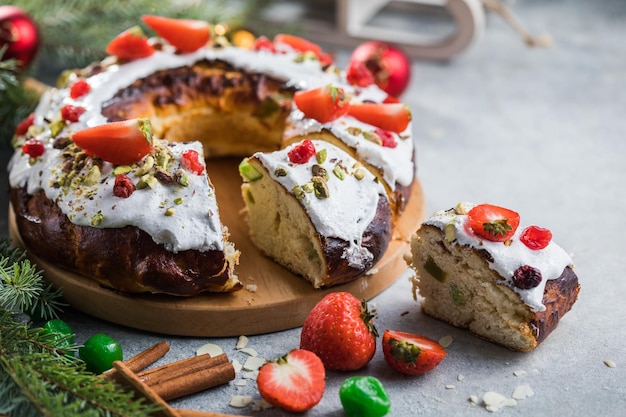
{"x":125,"y":259}
{"x":459,"y":288}
{"x":232,"y":112}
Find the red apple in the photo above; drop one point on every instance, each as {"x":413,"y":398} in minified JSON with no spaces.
{"x":19,"y":33}
{"x":389,"y":65}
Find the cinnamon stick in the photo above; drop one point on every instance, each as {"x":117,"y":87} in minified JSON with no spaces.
{"x":181,"y":368}
{"x":143,"y":359}
{"x":195,"y":382}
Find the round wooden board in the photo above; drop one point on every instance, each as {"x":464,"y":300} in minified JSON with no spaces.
{"x":281,"y":300}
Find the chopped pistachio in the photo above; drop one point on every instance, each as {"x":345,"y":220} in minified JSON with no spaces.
{"x":321,"y":188}
{"x":56,"y":127}
{"x":308,"y":187}
{"x":93,"y":176}
{"x":339,"y":172}
{"x":121,"y":169}
{"x":359,"y":173}
{"x":147,"y":181}
{"x":319,"y":171}
{"x":280,"y":172}
{"x":354,"y":131}
{"x":450,"y":232}
{"x":321,"y":155}
{"x":373,"y":137}
{"x":178,"y":201}
{"x":170,"y":211}
{"x":147,"y":165}
{"x":181,"y":177}
{"x":298,"y":192}
{"x":249,"y":172}
{"x":96,"y":219}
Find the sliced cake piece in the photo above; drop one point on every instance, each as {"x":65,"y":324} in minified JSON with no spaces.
{"x":476,"y":269}
{"x":315,"y":210}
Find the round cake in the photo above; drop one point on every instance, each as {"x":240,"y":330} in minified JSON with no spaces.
{"x":109,"y":173}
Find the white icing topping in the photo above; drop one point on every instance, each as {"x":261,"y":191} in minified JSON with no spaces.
{"x":550,"y":261}
{"x":351,"y":205}
{"x":190,"y":227}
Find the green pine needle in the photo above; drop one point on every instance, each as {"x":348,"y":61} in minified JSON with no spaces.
{"x":41,"y":377}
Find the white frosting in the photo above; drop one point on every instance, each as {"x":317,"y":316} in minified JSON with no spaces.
{"x":550,"y":261}
{"x":351,"y":205}
{"x":191,"y":227}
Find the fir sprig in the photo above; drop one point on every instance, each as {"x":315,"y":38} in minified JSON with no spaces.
{"x":22,"y":286}
{"x":16,"y":100}
{"x":40,"y":376}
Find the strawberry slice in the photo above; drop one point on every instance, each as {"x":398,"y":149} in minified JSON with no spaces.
{"x":130,"y":44}
{"x":323,"y":104}
{"x":120,"y":143}
{"x":294,"y":382}
{"x":298,"y":44}
{"x":411,"y":354}
{"x":394,"y":117}
{"x":493,"y":223}
{"x":23,"y":126}
{"x":186,"y":35}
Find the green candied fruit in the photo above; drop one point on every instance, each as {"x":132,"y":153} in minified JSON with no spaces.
{"x":434,"y":270}
{"x":458,"y":296}
{"x":364,"y":396}
{"x":248,"y":172}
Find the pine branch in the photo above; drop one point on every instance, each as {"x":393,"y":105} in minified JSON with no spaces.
{"x":40,"y":376}
{"x":22,"y":286}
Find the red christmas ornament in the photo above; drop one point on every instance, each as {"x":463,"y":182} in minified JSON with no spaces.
{"x":389,"y":65}
{"x":19,"y":33}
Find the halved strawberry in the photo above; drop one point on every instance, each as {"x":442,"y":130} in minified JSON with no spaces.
{"x":411,"y":354}
{"x":22,"y":127}
{"x":294,"y":382}
{"x":186,"y":35}
{"x":298,"y":44}
{"x":120,"y":143}
{"x":387,"y":116}
{"x":493,"y":223}
{"x":323,"y":104}
{"x":130,"y":44}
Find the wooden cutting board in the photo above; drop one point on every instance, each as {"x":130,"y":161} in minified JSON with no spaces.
{"x":274,"y":299}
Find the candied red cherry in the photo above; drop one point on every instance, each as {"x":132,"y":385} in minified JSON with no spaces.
{"x":535,"y":237}
{"x":79,"y":89}
{"x":33,"y":148}
{"x":71,"y":113}
{"x":526,"y":277}
{"x":190,"y":160}
{"x":123,"y":186}
{"x":388,"y":141}
{"x":301,"y":153}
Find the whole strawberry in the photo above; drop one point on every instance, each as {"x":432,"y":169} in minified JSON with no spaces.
{"x":339,"y":329}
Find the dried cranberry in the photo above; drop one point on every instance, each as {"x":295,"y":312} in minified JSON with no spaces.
{"x":388,"y":141}
{"x":535,"y":237}
{"x":123,"y":186}
{"x":71,"y":113}
{"x":79,"y":89}
{"x":22,"y":127}
{"x":33,"y":148}
{"x":191,"y":161}
{"x":526,"y":277}
{"x":301,"y":153}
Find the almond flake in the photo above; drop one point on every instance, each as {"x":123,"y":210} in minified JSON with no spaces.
{"x":519,"y":373}
{"x":210,"y":348}
{"x":240,"y":401}
{"x":249,"y":351}
{"x":253,"y":363}
{"x":610,"y":363}
{"x":446,"y":341}
{"x":522,"y":392}
{"x":242,"y":342}
{"x":237,"y":365}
